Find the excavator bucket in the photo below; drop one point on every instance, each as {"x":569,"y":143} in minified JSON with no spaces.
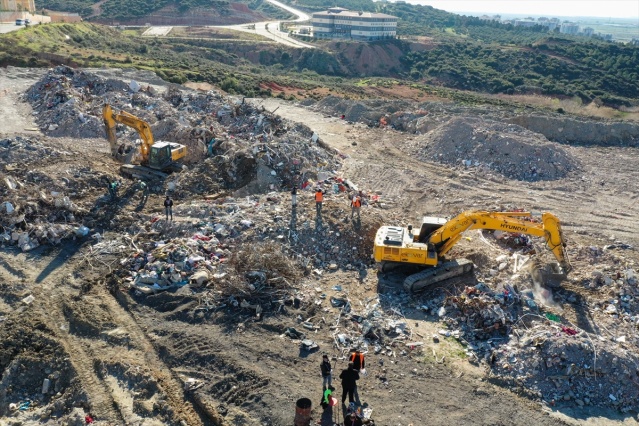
{"x":549,"y":275}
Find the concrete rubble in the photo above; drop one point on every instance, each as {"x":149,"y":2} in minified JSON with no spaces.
{"x":241,"y":139}
{"x":240,"y":248}
{"x":516,"y":329}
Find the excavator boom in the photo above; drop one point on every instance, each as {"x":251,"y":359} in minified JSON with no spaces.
{"x":142,"y":127}
{"x":159,"y":156}
{"x":396,"y":245}
{"x":550,"y":229}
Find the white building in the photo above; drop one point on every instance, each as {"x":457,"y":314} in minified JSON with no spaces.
{"x":569,"y":28}
{"x":337,"y":22}
{"x":527,"y":23}
{"x":589,"y":32}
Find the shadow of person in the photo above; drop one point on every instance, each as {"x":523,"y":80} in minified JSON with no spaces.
{"x":293,"y":223}
{"x":318,"y":222}
{"x":327,"y":417}
{"x":142,"y":203}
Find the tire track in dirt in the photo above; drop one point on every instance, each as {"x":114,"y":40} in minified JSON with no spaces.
{"x":48,"y":300}
{"x":169,"y":383}
{"x":88,"y":356}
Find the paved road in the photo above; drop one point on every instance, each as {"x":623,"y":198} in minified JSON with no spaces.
{"x":270,"y":29}
{"x":267,"y":29}
{"x":6,"y":28}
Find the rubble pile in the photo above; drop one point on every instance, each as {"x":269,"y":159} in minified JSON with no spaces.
{"x":507,"y":149}
{"x":245,"y":143}
{"x":366,"y":111}
{"x":519,"y":331}
{"x":243,"y":250}
{"x":31,"y":215}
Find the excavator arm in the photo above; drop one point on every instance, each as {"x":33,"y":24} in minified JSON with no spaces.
{"x":447,"y":236}
{"x":142,"y":127}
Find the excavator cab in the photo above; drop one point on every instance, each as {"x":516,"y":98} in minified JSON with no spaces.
{"x":160,"y":156}
{"x":166,"y":155}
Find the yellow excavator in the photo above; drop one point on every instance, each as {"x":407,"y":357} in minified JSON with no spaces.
{"x":154,"y":158}
{"x":396,"y":246}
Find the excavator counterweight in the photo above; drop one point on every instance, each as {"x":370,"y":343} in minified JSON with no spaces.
{"x":437,"y":236}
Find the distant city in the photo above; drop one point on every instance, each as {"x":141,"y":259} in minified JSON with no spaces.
{"x":565,"y":27}
{"x":625,"y":30}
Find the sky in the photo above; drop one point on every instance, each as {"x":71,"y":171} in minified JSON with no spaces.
{"x":550,"y":8}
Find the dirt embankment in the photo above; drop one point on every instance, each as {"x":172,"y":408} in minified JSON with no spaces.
{"x":582,"y":132}
{"x":169,"y":15}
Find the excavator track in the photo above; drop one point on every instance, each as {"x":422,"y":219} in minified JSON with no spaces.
{"x":141,"y":172}
{"x":428,"y":277}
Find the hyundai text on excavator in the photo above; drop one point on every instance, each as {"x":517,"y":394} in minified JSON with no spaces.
{"x":396,"y":246}
{"x":154,"y":158}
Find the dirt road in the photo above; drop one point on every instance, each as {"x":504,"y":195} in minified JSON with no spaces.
{"x":126,"y":358}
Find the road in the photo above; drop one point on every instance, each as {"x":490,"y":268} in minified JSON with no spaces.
{"x":271,"y":29}
{"x":267,"y":29}
{"x":7,"y":28}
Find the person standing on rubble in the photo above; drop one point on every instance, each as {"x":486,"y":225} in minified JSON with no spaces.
{"x":357,"y":358}
{"x":356,"y":204}
{"x":144,"y":189}
{"x":113,"y":189}
{"x":349,"y":382}
{"x":168,"y":207}
{"x":325,"y":368}
{"x":319,"y":198}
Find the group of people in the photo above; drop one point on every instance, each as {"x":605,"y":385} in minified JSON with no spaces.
{"x":349,"y":377}
{"x":356,"y":201}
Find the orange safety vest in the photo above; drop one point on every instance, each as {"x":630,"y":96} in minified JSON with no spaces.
{"x":356,"y":355}
{"x":319,"y":197}
{"x":357,"y":202}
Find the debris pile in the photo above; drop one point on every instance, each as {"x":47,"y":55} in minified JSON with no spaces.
{"x":244,"y":143}
{"x":243,"y":250}
{"x":31,"y":215}
{"x":507,"y":149}
{"x":518,"y":330}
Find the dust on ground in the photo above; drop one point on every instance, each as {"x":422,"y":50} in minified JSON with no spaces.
{"x":128,"y":318}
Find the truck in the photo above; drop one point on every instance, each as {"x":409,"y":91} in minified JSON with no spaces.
{"x":153,"y":159}
{"x":396,"y":246}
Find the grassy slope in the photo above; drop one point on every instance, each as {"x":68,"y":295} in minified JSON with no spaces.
{"x":233,"y":61}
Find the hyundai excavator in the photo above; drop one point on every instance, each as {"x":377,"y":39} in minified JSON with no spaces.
{"x":155,"y":158}
{"x":396,"y":246}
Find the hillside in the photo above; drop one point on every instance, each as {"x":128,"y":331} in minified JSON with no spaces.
{"x":604,"y":74}
{"x":163,"y":12}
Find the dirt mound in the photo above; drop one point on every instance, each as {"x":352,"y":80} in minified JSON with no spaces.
{"x":507,"y":149}
{"x":365,"y":111}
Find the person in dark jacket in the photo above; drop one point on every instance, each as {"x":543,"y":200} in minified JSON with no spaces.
{"x":325,"y":367}
{"x":349,"y":381}
{"x":168,"y":207}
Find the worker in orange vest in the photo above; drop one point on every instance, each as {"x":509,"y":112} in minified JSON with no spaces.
{"x":357,"y":358}
{"x":356,"y":204}
{"x":319,"y":197}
